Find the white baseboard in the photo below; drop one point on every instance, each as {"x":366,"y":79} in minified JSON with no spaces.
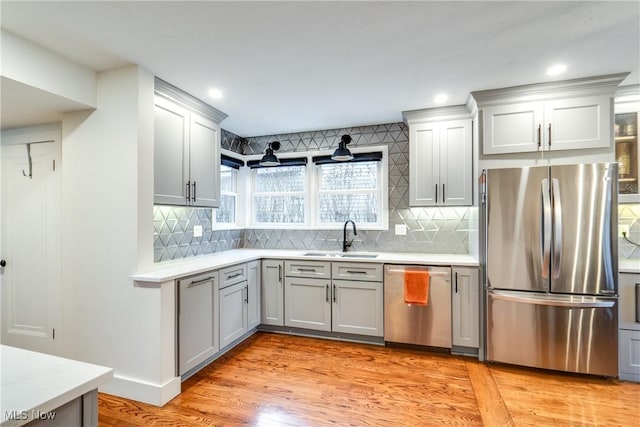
{"x":152,"y":394}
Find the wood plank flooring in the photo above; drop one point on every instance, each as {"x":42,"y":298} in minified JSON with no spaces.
{"x":281,"y":380}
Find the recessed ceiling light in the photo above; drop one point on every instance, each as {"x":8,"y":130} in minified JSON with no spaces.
{"x":215,"y":93}
{"x":440,"y":98}
{"x":554,"y":70}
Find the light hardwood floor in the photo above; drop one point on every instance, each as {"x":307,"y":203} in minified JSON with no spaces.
{"x":281,"y":380}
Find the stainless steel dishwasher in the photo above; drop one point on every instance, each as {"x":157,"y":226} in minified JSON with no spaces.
{"x":428,"y":325}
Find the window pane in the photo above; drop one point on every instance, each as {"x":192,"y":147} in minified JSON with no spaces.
{"x":349,"y":176}
{"x":227,"y":179}
{"x":279,"y":209}
{"x":285,"y":179}
{"x":362,"y":208}
{"x":226,"y":213}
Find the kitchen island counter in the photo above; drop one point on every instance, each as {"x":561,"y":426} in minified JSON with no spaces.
{"x":37,"y":385}
{"x":171,"y":270}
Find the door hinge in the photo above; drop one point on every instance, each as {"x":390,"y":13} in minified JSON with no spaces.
{"x":53,"y":334}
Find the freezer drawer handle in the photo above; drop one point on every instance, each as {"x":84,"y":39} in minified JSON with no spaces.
{"x":552,"y":302}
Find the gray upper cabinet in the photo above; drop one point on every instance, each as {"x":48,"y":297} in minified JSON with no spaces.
{"x":566,"y":124}
{"x":186,"y":149}
{"x":563,"y":115}
{"x":440,"y":157}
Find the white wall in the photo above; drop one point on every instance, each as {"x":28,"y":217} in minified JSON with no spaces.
{"x":108,"y":235}
{"x":34,"y":66}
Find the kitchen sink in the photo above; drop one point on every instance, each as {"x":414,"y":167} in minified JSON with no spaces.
{"x":340,"y":255}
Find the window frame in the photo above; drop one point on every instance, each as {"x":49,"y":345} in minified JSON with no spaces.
{"x":312,"y":193}
{"x":240,"y":188}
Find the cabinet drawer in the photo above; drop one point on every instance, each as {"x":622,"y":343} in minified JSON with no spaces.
{"x":232,"y":275}
{"x":357,"y":271}
{"x":317,"y":269}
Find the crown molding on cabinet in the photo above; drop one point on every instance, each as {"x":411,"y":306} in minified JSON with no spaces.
{"x":454,"y":112}
{"x":167,"y":89}
{"x":599,"y":85}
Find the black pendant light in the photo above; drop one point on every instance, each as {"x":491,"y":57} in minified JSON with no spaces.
{"x":342,"y":153}
{"x":270,"y":159}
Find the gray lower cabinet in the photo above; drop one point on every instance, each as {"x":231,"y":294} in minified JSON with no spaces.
{"x":272,"y":287}
{"x":465,"y":306}
{"x":351,"y":304}
{"x":307,"y":303}
{"x":357,"y":307}
{"x":79,"y":412}
{"x":254,"y":299}
{"x":197,"y":320}
{"x":233,"y":313}
{"x":629,"y":334}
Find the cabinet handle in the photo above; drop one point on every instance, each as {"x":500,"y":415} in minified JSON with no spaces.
{"x":312,"y":270}
{"x":188,"y":191}
{"x":356,"y":272}
{"x":637,"y":302}
{"x":456,"y":282}
{"x":246,"y":298}
{"x":549,"y":134}
{"x":539,"y":136}
{"x":280,"y":273}
{"x":326,"y":294}
{"x":194,"y":191}
{"x":334,"y":293}
{"x":436,"y":193}
{"x":444,"y":199}
{"x":234,"y":275}
{"x":199,"y":282}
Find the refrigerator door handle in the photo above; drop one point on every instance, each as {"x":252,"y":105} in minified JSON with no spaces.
{"x":557,"y":232}
{"x":570,"y":301}
{"x":546,"y":228}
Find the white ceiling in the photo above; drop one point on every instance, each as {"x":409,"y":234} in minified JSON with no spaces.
{"x":295,"y":66}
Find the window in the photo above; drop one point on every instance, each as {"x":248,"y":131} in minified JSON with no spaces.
{"x":279,"y":195}
{"x":226,"y":213}
{"x":349,"y":190}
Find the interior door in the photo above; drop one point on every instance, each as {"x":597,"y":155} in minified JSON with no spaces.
{"x":31,"y":236}
{"x":585,"y":222}
{"x":516,"y":241}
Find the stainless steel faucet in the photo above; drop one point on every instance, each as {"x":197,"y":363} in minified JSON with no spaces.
{"x":346,"y":244}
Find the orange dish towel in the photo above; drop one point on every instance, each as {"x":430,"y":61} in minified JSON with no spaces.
{"x":416,"y":287}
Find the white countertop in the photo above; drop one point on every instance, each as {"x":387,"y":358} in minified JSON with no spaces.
{"x":38,"y":383}
{"x":170,"y":270}
{"x":629,"y":265}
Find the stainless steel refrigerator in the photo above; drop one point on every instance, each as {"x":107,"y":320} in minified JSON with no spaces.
{"x":552,"y":267}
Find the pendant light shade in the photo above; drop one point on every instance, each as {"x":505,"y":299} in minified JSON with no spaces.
{"x":342,"y":153}
{"x":270,"y":159}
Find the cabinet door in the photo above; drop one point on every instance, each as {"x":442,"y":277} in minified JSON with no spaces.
{"x":197,"y":320}
{"x":629,"y":355}
{"x":423,"y":164}
{"x":204,"y":162}
{"x":456,"y":168}
{"x":307,"y":303}
{"x":171,"y":152}
{"x":514,"y":128}
{"x":465,"y":305}
{"x":253,"y":294}
{"x":577,"y":123}
{"x":272,"y":312}
{"x":357,"y":307}
{"x":233,"y":313}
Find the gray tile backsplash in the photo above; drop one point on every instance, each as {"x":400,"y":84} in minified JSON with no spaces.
{"x":629,"y":214}
{"x":429,"y":230}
